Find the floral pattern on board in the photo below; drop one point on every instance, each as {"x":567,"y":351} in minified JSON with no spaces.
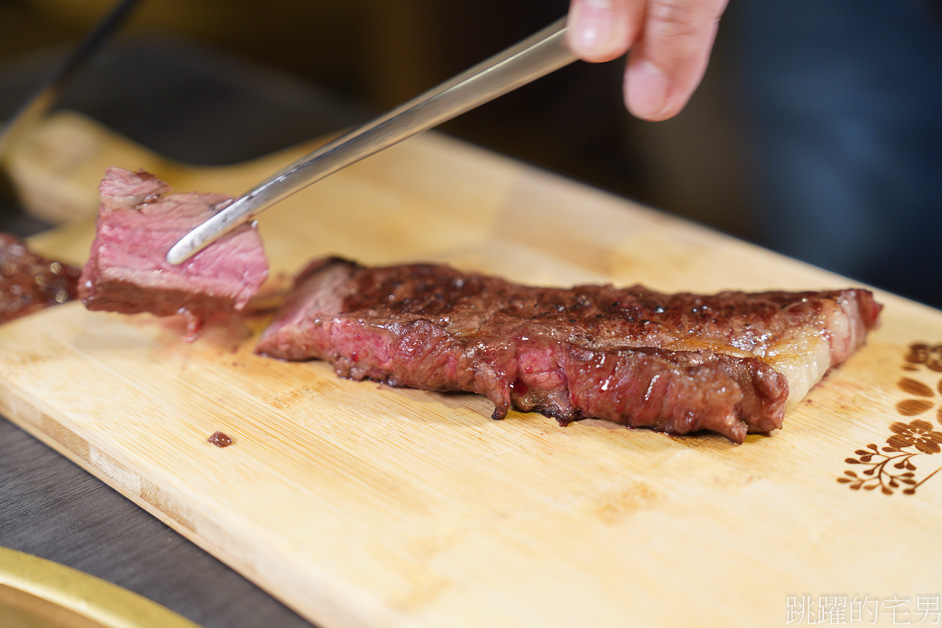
{"x":891,"y":467}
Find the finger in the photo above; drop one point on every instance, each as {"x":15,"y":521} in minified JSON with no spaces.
{"x":670,"y":57}
{"x":602,"y":30}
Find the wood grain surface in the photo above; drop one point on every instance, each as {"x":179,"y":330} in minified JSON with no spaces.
{"x":361,"y":505}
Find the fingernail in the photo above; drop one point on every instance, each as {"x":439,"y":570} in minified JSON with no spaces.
{"x":591,"y":23}
{"x":646,"y":90}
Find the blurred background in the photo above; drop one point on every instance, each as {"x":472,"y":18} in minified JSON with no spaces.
{"x":816,"y":131}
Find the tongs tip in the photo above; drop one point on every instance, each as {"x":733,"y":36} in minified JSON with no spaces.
{"x":181,"y":251}
{"x":207,"y":232}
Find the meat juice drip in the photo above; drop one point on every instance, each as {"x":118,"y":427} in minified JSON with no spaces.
{"x":220,"y":439}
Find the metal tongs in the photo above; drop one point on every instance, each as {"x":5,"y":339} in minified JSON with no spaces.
{"x":532,"y":58}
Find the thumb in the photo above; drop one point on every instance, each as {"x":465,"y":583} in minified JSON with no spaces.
{"x":602,"y":30}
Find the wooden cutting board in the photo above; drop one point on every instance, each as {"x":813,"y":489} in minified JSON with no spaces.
{"x":362,"y":505}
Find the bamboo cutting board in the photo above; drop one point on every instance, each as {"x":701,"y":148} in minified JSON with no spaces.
{"x":362,"y":505}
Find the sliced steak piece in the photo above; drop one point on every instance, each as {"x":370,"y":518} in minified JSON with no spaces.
{"x":679,"y":363}
{"x":138,"y":222}
{"x":31,"y":282}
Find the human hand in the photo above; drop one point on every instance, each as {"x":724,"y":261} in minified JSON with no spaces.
{"x":669,"y":40}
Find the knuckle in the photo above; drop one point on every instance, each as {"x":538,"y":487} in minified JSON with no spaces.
{"x":678,"y":18}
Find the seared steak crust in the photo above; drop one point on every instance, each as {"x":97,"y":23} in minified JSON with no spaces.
{"x":31,"y":282}
{"x":677,"y":363}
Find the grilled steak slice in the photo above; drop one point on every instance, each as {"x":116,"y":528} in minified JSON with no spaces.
{"x":679,"y":363}
{"x":30,"y":282}
{"x":138,"y":222}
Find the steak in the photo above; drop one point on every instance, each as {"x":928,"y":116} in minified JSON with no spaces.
{"x":681,"y":363}
{"x":31,"y":282}
{"x":138,"y":221}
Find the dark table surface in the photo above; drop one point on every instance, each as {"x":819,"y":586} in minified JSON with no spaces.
{"x":196,"y":107}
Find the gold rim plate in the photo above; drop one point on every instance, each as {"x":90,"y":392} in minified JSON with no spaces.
{"x":39,"y":593}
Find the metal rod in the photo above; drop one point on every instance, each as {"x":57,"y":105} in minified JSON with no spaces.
{"x":532,"y":58}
